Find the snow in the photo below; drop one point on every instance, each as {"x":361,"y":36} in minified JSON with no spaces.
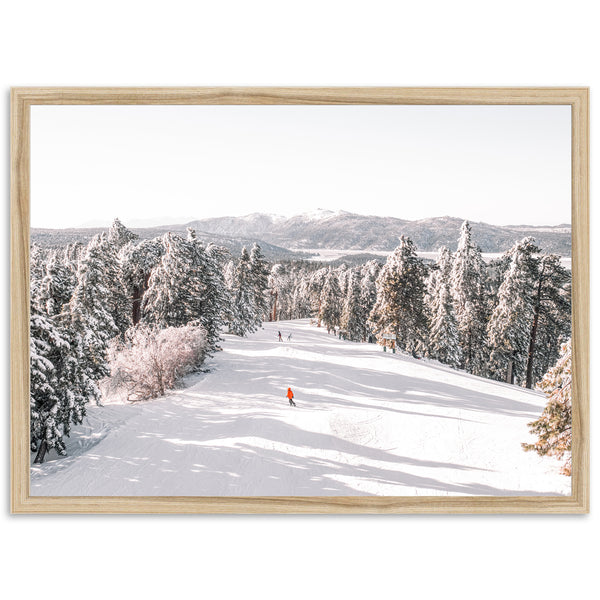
{"x":366,"y":422}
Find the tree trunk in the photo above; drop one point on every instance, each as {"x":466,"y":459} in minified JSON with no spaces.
{"x":136,"y":314}
{"x":534,"y":327}
{"x":509,"y":372}
{"x":532,"y":336}
{"x":41,"y":453}
{"x":274,"y":315}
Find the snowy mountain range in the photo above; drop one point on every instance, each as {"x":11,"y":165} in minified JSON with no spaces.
{"x":339,"y":230}
{"x":349,"y":231}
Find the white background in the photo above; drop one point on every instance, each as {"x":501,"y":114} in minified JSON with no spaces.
{"x":300,"y":43}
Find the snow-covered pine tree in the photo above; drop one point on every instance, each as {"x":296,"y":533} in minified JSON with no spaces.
{"x":37,"y":262}
{"x":72,"y":255}
{"x":119,"y":235}
{"x":553,"y":428}
{"x":302,"y":300}
{"x":136,"y":263}
{"x":354,"y":317}
{"x":443,"y":342}
{"x":259,"y":276}
{"x":468,"y":277}
{"x":343,"y":275}
{"x":213,"y":299}
{"x":57,"y":285}
{"x":330,"y":311}
{"x":244,"y":311}
{"x":399,"y":308}
{"x":89,"y":315}
{"x":62,"y":379}
{"x":510,"y":324}
{"x":44,"y":340}
{"x":312,"y":289}
{"x":368,"y":296}
{"x":173,"y":287}
{"x":276,"y":283}
{"x":551,"y":316}
{"x":118,"y":301}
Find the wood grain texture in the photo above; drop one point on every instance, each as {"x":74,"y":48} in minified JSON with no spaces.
{"x":21,"y":101}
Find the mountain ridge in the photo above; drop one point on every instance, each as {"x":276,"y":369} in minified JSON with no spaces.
{"x":341,"y":230}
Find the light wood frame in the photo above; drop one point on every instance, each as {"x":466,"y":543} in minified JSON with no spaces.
{"x":21,"y":101}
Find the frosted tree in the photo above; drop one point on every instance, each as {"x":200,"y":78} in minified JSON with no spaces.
{"x":152,"y":361}
{"x":551,"y":322}
{"x":553,"y":428}
{"x":37,"y":261}
{"x":276,"y":284}
{"x":343,"y":275}
{"x":173,"y":286}
{"x":510,"y":323}
{"x":136,"y":264}
{"x":90,"y":316}
{"x":119,"y":235}
{"x":368,"y":296}
{"x":443,"y":333}
{"x":259,"y":277}
{"x":213,"y":299}
{"x":72,"y":255}
{"x":312,"y":289}
{"x":244,"y":311}
{"x":399,"y":308}
{"x":44,"y":340}
{"x":57,"y":285}
{"x":330,"y":311}
{"x":354,"y":315}
{"x":117,"y":301}
{"x":470,"y":302}
{"x":62,"y":380}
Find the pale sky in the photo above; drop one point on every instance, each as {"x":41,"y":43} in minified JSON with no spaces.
{"x":170,"y":164}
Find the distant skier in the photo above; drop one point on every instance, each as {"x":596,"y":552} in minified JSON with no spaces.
{"x":290,"y":396}
{"x":290,"y":337}
{"x":279,"y":335}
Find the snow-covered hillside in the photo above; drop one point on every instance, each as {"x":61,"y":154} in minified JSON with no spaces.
{"x":366,"y":422}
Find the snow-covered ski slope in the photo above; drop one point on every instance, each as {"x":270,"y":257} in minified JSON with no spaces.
{"x":366,"y":422}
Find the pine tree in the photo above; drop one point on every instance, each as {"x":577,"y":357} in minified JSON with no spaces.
{"x":368,"y":295}
{"x":399,"y":308}
{"x":119,"y":235}
{"x":56,"y":287}
{"x":553,"y":428}
{"x":276,"y":284}
{"x":244,"y":311}
{"x":510,"y":323}
{"x":62,"y":380}
{"x":259,"y":277}
{"x":330,"y":301}
{"x":136,"y":264}
{"x":354,"y":316}
{"x":443,"y":335}
{"x":118,"y":302}
{"x":44,"y":340}
{"x":37,"y":260}
{"x":89,"y":315}
{"x":551,"y":321}
{"x":311,"y":290}
{"x":212,"y":301}
{"x":468,"y":277}
{"x":173,"y":287}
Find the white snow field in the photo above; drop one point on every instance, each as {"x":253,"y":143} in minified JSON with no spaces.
{"x":366,"y":423}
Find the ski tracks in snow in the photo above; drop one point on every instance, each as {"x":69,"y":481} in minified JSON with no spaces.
{"x":365,"y":423}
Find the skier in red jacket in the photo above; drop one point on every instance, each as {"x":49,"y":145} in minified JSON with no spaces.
{"x":290,"y":396}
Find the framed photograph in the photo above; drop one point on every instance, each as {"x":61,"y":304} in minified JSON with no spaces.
{"x":300,"y":300}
